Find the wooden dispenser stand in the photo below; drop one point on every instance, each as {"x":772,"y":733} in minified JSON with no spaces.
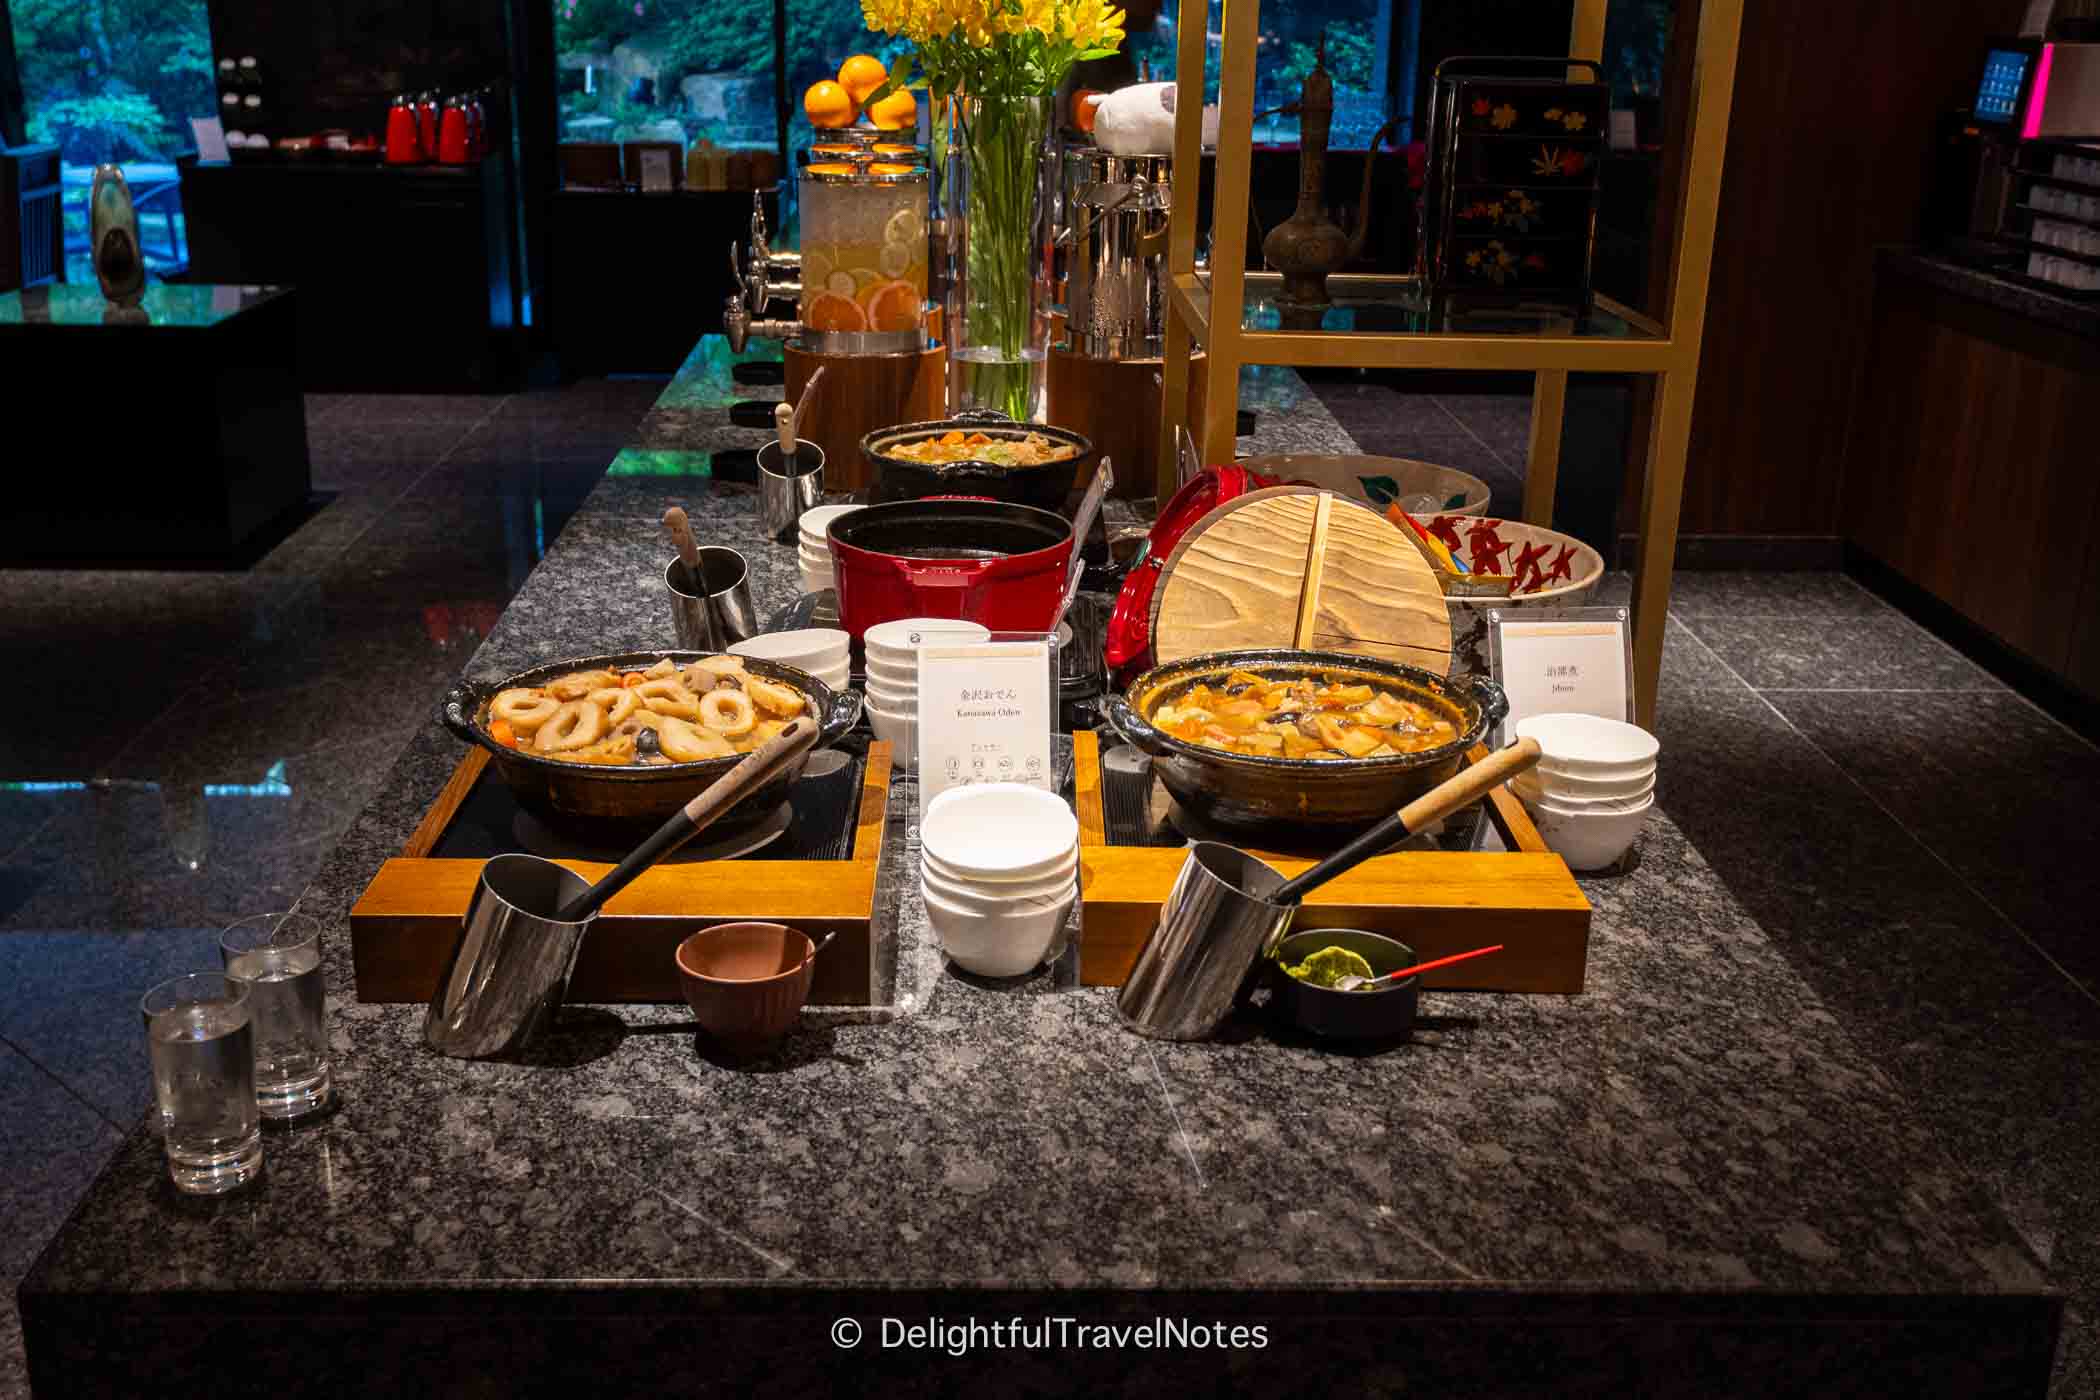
{"x":862,"y":393}
{"x":1116,"y":403}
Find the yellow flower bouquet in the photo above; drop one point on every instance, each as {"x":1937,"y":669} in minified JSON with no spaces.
{"x":996,"y":64}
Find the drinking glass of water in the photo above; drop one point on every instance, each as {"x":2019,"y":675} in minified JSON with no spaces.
{"x":199,"y":1033}
{"x":278,"y":958}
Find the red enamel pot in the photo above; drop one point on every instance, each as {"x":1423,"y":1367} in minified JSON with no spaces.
{"x":989,"y":562}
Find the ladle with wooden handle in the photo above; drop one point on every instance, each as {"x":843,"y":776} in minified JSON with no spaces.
{"x":688,"y":549}
{"x":697,"y":815}
{"x":1439,"y":801}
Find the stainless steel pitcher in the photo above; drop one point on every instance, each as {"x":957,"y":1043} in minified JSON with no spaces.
{"x":510,"y":969}
{"x":1213,"y":929}
{"x":1116,"y":292}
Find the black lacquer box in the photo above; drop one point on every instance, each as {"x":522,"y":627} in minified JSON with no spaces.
{"x":1509,"y":211}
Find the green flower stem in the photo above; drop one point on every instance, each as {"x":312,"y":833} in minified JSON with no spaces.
{"x":1002,"y":140}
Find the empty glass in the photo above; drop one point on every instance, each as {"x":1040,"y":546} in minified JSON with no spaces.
{"x":200,"y":1037}
{"x":278,"y":958}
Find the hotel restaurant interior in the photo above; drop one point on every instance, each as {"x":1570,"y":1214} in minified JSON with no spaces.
{"x":849,"y":696}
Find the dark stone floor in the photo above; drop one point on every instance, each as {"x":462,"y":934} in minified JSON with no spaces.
{"x":1913,"y":833}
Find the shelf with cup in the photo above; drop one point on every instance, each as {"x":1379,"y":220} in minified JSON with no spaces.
{"x":1376,"y":322}
{"x":1379,"y":321}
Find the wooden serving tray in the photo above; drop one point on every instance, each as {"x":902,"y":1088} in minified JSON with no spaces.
{"x":405,"y":924}
{"x":1436,"y":902}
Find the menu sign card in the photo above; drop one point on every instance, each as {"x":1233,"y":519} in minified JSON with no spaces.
{"x":1571,"y":660}
{"x":985,"y":716}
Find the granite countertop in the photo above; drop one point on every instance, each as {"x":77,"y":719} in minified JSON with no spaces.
{"x":1695,"y":1137}
{"x":2066,"y":312}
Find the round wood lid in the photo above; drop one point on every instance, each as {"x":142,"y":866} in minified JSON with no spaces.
{"x":1294,"y":566}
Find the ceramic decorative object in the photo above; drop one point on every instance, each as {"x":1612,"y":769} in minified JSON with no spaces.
{"x":113,"y":235}
{"x":1551,"y":570}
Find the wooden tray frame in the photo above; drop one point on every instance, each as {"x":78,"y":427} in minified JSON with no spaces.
{"x":405,"y":923}
{"x":1437,"y":902}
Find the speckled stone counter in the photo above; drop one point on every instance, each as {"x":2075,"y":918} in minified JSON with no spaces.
{"x":1687,"y":1180}
{"x":2080,"y":315}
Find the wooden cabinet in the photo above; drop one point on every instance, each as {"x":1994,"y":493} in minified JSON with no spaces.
{"x":1973,"y":468}
{"x":407,"y":277}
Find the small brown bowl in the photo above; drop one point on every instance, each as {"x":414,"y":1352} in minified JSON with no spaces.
{"x":747,"y":982}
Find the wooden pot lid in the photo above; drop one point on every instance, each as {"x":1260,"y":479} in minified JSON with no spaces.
{"x":1293,"y":566}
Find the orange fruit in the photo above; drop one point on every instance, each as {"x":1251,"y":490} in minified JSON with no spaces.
{"x":861,"y":75}
{"x":896,"y":112}
{"x":892,"y":306}
{"x":828,"y":311}
{"x":828,"y":105}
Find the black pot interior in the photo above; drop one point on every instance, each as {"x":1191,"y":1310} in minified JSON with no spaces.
{"x":951,"y":529}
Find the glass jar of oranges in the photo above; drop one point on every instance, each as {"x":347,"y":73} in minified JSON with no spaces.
{"x":863,"y":256}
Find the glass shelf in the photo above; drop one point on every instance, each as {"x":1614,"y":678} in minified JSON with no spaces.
{"x":195,"y":305}
{"x":1390,"y":321}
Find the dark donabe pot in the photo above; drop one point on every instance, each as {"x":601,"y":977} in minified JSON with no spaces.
{"x":989,"y":562}
{"x":606,"y":802}
{"x":1045,"y":487}
{"x":1273,"y":794}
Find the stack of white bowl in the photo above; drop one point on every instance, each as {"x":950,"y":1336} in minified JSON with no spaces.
{"x":817,"y":573}
{"x":1592,"y":788}
{"x":893,"y":676}
{"x":999,"y":870}
{"x":824,"y":652}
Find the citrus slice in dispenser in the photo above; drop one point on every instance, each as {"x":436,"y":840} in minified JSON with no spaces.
{"x":893,"y":306}
{"x":842,"y":283}
{"x":897,"y":258}
{"x":816,"y":270}
{"x":864,"y":278}
{"x":906,"y":227}
{"x":828,"y":311}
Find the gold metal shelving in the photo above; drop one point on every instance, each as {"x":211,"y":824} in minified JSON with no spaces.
{"x":1383,"y":323}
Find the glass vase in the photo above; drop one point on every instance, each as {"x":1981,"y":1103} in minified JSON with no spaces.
{"x":999,"y":329}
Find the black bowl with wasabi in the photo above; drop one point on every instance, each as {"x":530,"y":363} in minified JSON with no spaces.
{"x":1307,"y":961}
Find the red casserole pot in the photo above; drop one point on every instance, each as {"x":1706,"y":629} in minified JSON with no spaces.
{"x":989,"y":562}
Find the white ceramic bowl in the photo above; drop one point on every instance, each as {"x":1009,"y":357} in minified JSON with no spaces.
{"x":899,"y":641}
{"x":1558,"y":792}
{"x":818,"y":562}
{"x":1589,"y":840}
{"x":1586,"y":746}
{"x":902,"y":734}
{"x":894,"y":673}
{"x":1636,"y":781}
{"x":817,"y":580}
{"x":903,"y":703}
{"x":947,"y":880}
{"x":837,"y":679}
{"x":816,"y":520}
{"x":991,"y":899}
{"x":1005,"y":831}
{"x":1006,"y":944}
{"x":813,"y":649}
{"x":1489,"y":545}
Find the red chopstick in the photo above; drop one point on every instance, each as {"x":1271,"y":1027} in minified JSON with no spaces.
{"x":1440,"y":962}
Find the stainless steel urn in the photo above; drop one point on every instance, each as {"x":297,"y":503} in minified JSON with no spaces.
{"x":1116,"y":293}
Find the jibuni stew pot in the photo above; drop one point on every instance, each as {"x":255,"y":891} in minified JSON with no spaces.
{"x":989,"y":562}
{"x":978,"y":473}
{"x":628,"y":801}
{"x":1261,"y":793}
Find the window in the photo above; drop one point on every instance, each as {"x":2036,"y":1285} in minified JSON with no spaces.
{"x":116,"y":80}
{"x":666,"y":70}
{"x":1359,"y":36}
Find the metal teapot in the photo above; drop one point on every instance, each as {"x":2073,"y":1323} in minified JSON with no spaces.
{"x":1309,"y":245}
